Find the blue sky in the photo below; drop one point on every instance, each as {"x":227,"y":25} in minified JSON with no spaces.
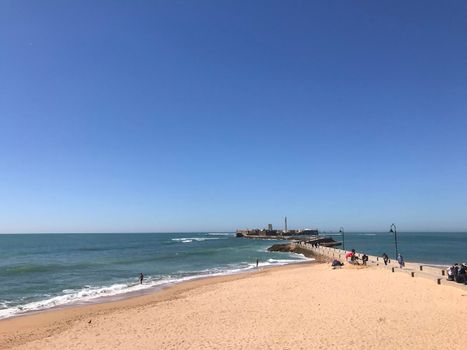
{"x":120,"y":116}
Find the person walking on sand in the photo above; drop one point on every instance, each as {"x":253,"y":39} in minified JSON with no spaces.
{"x":385,"y":258}
{"x":141,"y":277}
{"x":364,"y":259}
{"x":400,"y":260}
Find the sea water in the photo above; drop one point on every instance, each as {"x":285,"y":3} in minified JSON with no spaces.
{"x":41,"y":271}
{"x":431,"y":248}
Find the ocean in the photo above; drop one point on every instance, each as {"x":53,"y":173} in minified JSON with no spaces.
{"x":431,"y":248}
{"x":42,"y":271}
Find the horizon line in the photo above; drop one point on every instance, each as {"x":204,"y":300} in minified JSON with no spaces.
{"x":216,"y":231}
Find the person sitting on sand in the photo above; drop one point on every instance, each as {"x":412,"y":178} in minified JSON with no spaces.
{"x":455,"y":271}
{"x":385,"y":258}
{"x":352,"y":257}
{"x":451,"y":273}
{"x":461,"y":276}
{"x":400,"y":260}
{"x":336,"y":264}
{"x":348,"y":256}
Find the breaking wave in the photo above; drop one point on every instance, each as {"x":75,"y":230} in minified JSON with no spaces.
{"x":89,"y":294}
{"x":195,"y":239}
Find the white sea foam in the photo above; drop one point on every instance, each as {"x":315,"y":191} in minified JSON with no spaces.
{"x":282,"y":261}
{"x":221,"y":234}
{"x":437,"y":266}
{"x":197,"y":239}
{"x":90,"y":294}
{"x":71,"y":296}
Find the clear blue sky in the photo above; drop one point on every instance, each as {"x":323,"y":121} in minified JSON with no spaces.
{"x":213,"y":115}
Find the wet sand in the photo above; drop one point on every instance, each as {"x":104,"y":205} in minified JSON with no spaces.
{"x":305,"y":306}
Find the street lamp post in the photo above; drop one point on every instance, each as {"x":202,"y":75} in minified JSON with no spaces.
{"x":393,"y":230}
{"x":341,"y":231}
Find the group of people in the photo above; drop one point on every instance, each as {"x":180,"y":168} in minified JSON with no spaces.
{"x":352,"y":258}
{"x":400,"y":260}
{"x":458,"y":273}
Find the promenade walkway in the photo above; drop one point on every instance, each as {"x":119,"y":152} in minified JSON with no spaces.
{"x":436,"y":274}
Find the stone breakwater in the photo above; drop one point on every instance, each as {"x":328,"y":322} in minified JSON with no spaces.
{"x":299,"y":249}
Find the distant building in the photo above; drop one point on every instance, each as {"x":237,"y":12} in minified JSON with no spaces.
{"x":270,"y":232}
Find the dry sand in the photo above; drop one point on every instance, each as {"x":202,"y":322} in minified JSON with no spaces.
{"x":295,"y":307}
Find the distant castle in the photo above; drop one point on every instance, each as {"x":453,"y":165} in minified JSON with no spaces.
{"x":271,"y":233}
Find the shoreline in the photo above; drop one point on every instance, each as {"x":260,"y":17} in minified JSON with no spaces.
{"x":282,"y":303}
{"x":308,"y":257}
{"x":33,"y":324}
{"x":151,"y":288}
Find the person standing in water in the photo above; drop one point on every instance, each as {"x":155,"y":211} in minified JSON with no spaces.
{"x":141,"y":277}
{"x":257,"y":262}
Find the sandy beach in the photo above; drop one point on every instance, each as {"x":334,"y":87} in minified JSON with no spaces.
{"x":305,"y":306}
